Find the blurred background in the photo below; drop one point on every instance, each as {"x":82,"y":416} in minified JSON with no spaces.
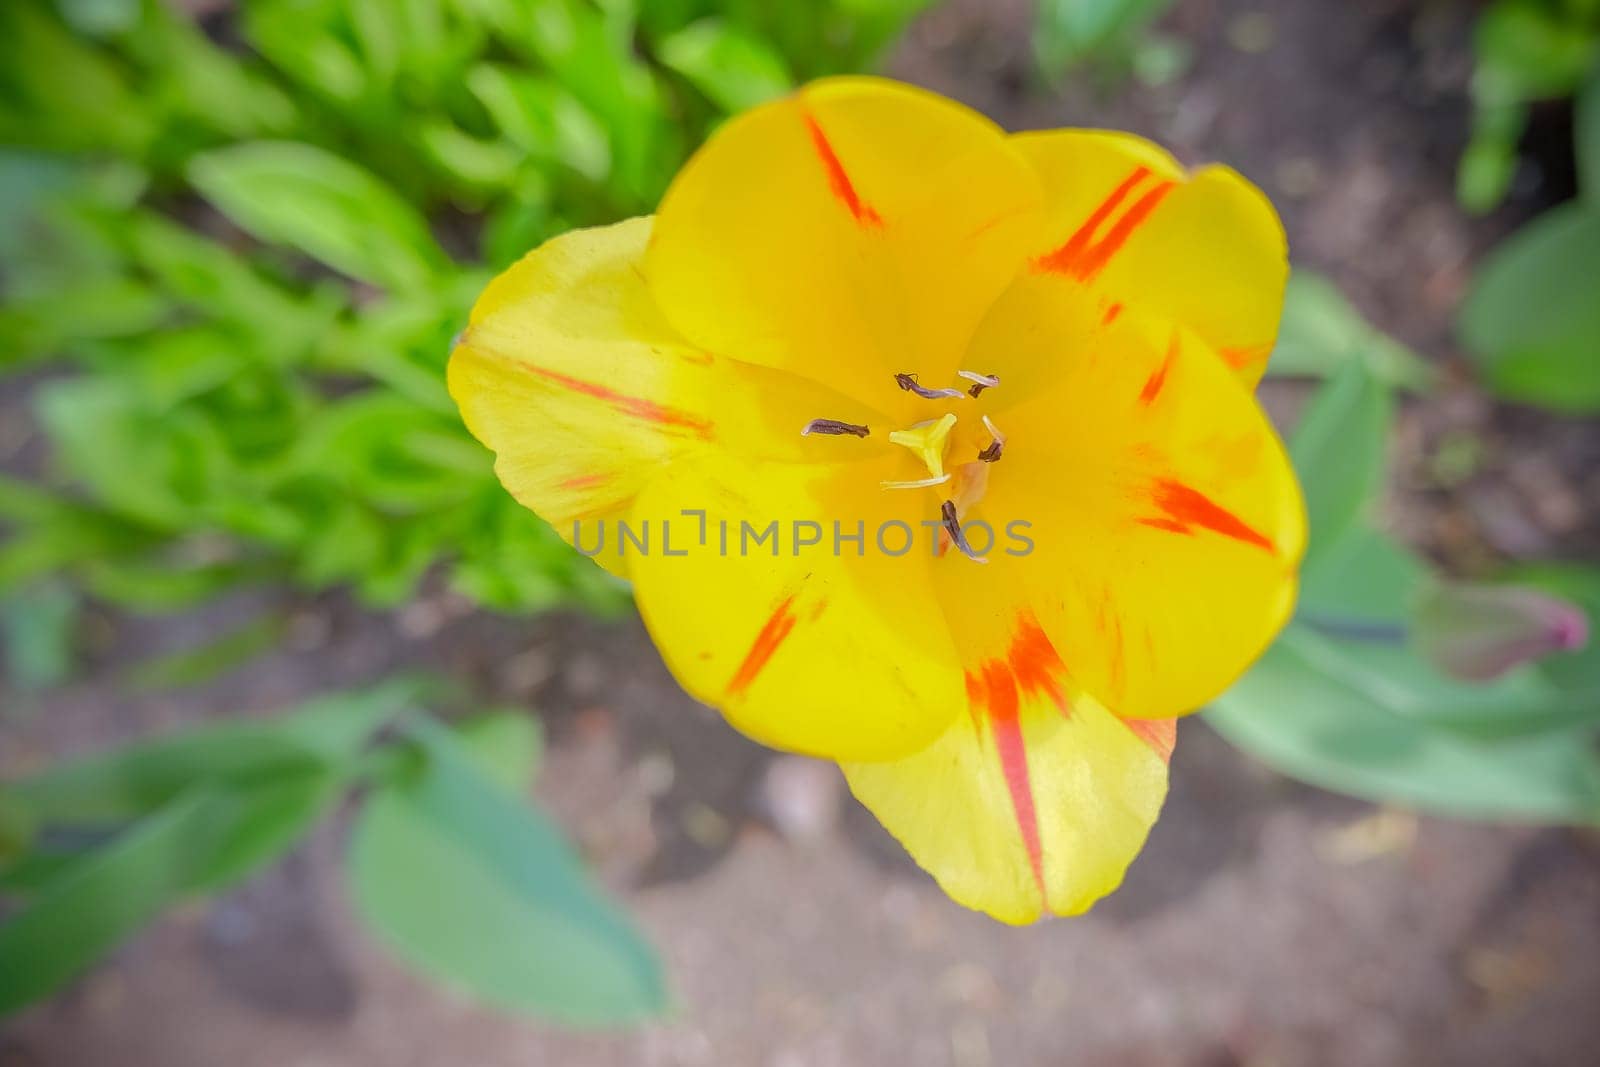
{"x":315,"y":749}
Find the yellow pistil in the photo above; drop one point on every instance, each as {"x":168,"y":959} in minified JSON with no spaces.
{"x":927,"y":440}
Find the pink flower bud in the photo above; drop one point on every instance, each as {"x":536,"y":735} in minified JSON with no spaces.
{"x":1480,"y":632}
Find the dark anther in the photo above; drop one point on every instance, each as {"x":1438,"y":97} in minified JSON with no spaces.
{"x":834,"y":428}
{"x":992,"y":453}
{"x":980,"y":382}
{"x":908,"y":382}
{"x":952,"y":526}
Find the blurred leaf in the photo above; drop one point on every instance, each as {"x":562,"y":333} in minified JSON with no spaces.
{"x":733,"y":69}
{"x":1339,"y":449}
{"x":1313,"y":724}
{"x":467,"y":883}
{"x":1489,"y":162}
{"x":251,"y":826}
{"x":1587,"y":139}
{"x":92,"y":905}
{"x":327,"y":207}
{"x":1531,"y":320}
{"x":100,"y":18}
{"x":1068,"y":31}
{"x":38,"y":628}
{"x":506,"y":746}
{"x":123,"y":783}
{"x":1363,"y":575}
{"x":216,"y":656}
{"x":1526,"y":50}
{"x":1321,"y":332}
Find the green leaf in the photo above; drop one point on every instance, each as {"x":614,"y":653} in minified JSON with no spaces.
{"x":733,"y":69}
{"x":1321,"y":332}
{"x":211,"y":658}
{"x":1338,"y":449}
{"x":467,"y":883}
{"x":92,"y":905}
{"x":136,"y":779}
{"x":37,"y":631}
{"x":1586,"y":137}
{"x":327,"y":207}
{"x":1312,"y":724}
{"x":1532,"y":321}
{"x":506,"y":745}
{"x":1363,"y":576}
{"x":249,"y":827}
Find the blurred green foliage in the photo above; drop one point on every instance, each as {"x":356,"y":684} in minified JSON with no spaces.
{"x":1347,"y":698}
{"x":234,"y":254}
{"x":1112,"y":37}
{"x":1527,"y":51}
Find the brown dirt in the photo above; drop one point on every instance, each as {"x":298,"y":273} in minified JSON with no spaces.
{"x":1266,"y":923}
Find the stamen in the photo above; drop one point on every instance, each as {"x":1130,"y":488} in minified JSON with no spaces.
{"x":980,"y":381}
{"x":952,"y":527}
{"x":834,"y":428}
{"x":992,"y":453}
{"x":923,"y":483}
{"x":908,"y":382}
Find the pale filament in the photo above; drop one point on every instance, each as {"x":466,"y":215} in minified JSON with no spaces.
{"x":922,"y":483}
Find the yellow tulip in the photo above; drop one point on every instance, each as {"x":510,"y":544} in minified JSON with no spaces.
{"x":929,"y":450}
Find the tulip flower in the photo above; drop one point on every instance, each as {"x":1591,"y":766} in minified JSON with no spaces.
{"x":929,"y":450}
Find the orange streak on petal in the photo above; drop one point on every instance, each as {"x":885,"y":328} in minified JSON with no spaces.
{"x":1190,"y":507}
{"x":1108,"y":246}
{"x":584,"y":481}
{"x":1169,"y":525}
{"x":1160,"y":734}
{"x":777,"y":627}
{"x":1152,"y":387}
{"x":1064,"y":259}
{"x":1242,"y":355}
{"x":1111,"y":314}
{"x":634,"y":406}
{"x":838,"y":179}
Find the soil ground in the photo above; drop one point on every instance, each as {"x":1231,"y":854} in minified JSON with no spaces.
{"x":1266,"y":923}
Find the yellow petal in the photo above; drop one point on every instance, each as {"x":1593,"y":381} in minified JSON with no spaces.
{"x":1165,"y":516}
{"x":852,"y":230}
{"x":1036,"y":799}
{"x":570,"y":374}
{"x":1205,"y":251}
{"x":812,"y":647}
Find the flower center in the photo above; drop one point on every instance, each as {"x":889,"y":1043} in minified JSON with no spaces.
{"x":930,"y":441}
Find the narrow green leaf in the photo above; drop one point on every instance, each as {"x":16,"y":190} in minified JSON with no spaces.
{"x":467,"y":883}
{"x":506,"y":745}
{"x":1339,"y":449}
{"x":94,"y":904}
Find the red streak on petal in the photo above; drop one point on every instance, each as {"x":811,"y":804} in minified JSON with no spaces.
{"x":1064,"y":259}
{"x":634,"y":406}
{"x":1191,"y":507}
{"x":1034,"y":662}
{"x":1111,"y":314}
{"x":1095,"y":260}
{"x":777,"y":627}
{"x":1160,"y":734}
{"x":1006,"y":727}
{"x":1152,"y":387}
{"x":838,"y":179}
{"x":585,"y":481}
